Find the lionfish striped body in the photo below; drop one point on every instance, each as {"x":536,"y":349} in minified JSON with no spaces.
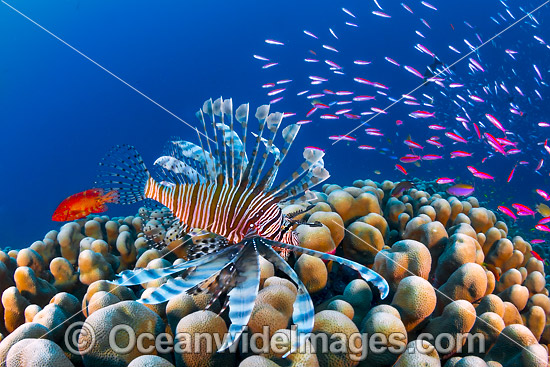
{"x":218,"y":189}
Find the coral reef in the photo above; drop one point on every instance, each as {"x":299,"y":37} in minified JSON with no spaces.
{"x":452,"y":266}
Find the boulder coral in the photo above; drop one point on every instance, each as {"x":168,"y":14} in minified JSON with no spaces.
{"x":453,"y":266}
{"x":132,"y":318}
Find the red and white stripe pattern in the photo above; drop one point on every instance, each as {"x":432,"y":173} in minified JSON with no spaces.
{"x":228,"y":210}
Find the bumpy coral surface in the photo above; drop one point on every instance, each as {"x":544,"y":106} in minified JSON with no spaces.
{"x":454,"y":269}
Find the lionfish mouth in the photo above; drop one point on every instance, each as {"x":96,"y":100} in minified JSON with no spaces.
{"x":216,"y":186}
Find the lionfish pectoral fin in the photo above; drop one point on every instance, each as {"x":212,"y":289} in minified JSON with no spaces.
{"x":243,"y":296}
{"x":205,"y":243}
{"x":303,"y":313}
{"x":140,"y":276}
{"x":204,"y":267}
{"x":366,"y":273}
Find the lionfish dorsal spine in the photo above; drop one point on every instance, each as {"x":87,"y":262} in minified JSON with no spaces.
{"x":314,"y":172}
{"x":273,"y":122}
{"x":217,"y":111}
{"x":241,"y":114}
{"x":207,"y":109}
{"x":227,"y":109}
{"x":289,"y":133}
{"x":200,"y":116}
{"x":203,"y":167}
{"x":261,"y":115}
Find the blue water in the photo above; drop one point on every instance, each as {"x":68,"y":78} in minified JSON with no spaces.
{"x":60,"y":113}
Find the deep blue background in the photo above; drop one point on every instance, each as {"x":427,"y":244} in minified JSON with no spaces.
{"x":60,"y":113}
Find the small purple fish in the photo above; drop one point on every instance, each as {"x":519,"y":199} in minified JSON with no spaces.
{"x":401,"y":187}
{"x":460,"y":190}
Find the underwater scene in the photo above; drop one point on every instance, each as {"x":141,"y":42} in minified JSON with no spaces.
{"x":313,"y":183}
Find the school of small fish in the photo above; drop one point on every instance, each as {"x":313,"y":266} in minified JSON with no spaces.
{"x":468,"y":100}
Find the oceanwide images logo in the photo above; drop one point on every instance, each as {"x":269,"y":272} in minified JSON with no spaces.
{"x":123,"y":339}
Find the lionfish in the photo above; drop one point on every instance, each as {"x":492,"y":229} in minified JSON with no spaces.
{"x":215,"y":187}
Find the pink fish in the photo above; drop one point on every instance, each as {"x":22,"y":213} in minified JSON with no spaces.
{"x":381,"y":14}
{"x":542,"y":227}
{"x":494,"y":143}
{"x":310,"y":34}
{"x":476,"y":128}
{"x":329,"y":116}
{"x":431,"y":157}
{"x":311,"y":112}
{"x":507,"y":211}
{"x":333,"y":64}
{"x":413,"y":71}
{"x":436,"y":127}
{"x":476,"y":64}
{"x":330,"y":48}
{"x":428,"y":5}
{"x":258,"y":57}
{"x":274,"y":42}
{"x":495,"y":122}
{"x":539,"y":166}
{"x":275,"y":91}
{"x":445,"y":180}
{"x":392,"y":61}
{"x":483,"y":175}
{"x":460,"y":153}
{"x":409,"y":158}
{"x":271,"y":64}
{"x":421,"y":114}
{"x":363,"y":81}
{"x":348,"y":12}
{"x":352,"y":116}
{"x":542,"y":193}
{"x":472,"y":169}
{"x":425,"y":50}
{"x":455,"y":137}
{"x":379,"y":110}
{"x":366,"y":147}
{"x":342,"y":112}
{"x":413,"y":144}
{"x":363,"y":98}
{"x":544,"y":220}
{"x":476,"y":98}
{"x":342,"y":137}
{"x":400,"y":168}
{"x":523,"y":208}
{"x":511,"y":174}
{"x":407,"y":8}
{"x":434,"y":142}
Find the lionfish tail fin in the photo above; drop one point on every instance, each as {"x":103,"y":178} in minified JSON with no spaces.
{"x":366,"y":273}
{"x":303,"y":313}
{"x":123,"y":170}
